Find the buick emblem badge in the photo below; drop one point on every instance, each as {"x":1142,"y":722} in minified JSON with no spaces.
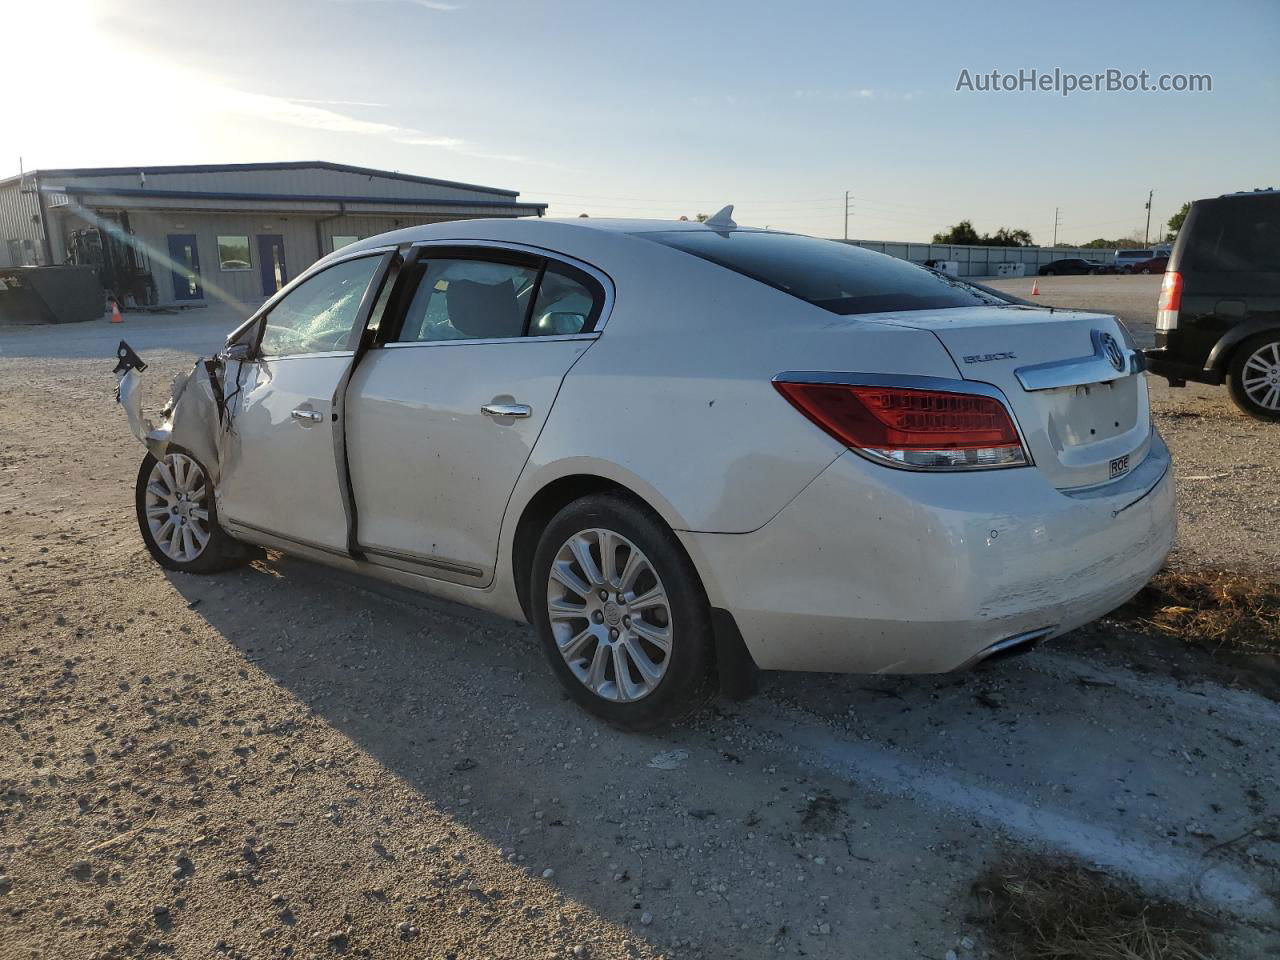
{"x":1113,"y":351}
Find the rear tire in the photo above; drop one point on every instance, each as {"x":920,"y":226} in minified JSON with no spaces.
{"x":1253,"y":377}
{"x":178,"y":517}
{"x":621,"y":613}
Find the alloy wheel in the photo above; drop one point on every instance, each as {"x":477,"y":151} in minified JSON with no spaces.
{"x":1261,"y":376}
{"x":610,"y":615}
{"x":177,"y":507}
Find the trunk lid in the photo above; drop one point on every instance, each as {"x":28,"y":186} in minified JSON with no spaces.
{"x":1073,"y":381}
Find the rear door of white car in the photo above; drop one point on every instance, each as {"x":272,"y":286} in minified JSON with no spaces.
{"x":283,"y":473}
{"x":443,"y":413}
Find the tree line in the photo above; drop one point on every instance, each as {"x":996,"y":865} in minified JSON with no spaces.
{"x":964,"y":233}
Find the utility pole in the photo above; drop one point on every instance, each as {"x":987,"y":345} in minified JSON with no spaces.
{"x":846,"y":214}
{"x":1056,"y":221}
{"x":1147,"y":230}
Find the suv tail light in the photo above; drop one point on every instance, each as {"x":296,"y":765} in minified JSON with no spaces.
{"x":906,"y":427}
{"x":1170,"y":301}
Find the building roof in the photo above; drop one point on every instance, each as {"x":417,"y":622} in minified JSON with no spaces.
{"x":148,"y":193}
{"x":250,"y":167}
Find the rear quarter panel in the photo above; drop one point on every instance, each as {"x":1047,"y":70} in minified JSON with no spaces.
{"x":675,"y":400}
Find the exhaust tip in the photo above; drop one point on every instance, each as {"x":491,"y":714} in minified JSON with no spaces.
{"x":1014,"y":646}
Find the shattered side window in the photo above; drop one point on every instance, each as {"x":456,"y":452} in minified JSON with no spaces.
{"x":319,"y":315}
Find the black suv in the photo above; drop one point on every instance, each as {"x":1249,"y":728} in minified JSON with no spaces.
{"x":1219,"y":313}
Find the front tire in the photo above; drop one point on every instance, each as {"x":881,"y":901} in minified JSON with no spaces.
{"x":1253,"y":378}
{"x":621,"y":613}
{"x":178,"y":518}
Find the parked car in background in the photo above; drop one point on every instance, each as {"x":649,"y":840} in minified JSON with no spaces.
{"x":1218,"y":318}
{"x":1074,"y":267}
{"x":1154,"y":265}
{"x":1128,"y":261}
{"x":680,"y":450}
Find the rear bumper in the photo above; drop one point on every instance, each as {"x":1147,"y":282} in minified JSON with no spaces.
{"x":875,"y":570}
{"x":1161,"y":363}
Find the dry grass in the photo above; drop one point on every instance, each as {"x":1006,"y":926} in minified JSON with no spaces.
{"x":1042,"y":908}
{"x":1216,"y":609}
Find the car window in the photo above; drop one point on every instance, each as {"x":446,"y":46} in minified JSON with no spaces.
{"x":568,"y":303}
{"x":469,"y":300}
{"x":835,"y":276}
{"x":318,"y":315}
{"x":1234,"y":235}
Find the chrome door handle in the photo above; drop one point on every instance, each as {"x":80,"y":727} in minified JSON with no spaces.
{"x":311,"y":416}
{"x":519,"y":410}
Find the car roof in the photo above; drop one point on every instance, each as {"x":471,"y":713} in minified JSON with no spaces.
{"x":583,"y":237}
{"x":532,"y":230}
{"x":620,"y":225}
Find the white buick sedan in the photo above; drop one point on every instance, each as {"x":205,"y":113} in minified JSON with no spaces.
{"x":682,"y":451}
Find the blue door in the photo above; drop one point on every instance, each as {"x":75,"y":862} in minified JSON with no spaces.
{"x":271,"y":262}
{"x":186,"y":267}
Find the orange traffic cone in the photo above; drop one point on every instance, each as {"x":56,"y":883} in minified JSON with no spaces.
{"x":115,"y":312}
{"x":1035,"y":288}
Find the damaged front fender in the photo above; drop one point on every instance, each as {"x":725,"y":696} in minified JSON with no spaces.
{"x":195,"y":418}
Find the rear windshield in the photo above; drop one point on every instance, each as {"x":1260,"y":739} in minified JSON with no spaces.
{"x":1234,"y":235}
{"x":835,"y":276}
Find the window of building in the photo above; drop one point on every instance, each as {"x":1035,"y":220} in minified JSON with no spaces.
{"x":340,"y":242}
{"x":233,"y":253}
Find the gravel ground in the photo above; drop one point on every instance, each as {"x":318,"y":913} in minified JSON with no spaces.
{"x":283,"y":761}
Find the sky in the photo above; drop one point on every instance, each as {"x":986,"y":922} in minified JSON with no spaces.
{"x":663,"y":109}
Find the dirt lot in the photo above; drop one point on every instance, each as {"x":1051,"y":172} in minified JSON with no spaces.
{"x":1131,"y":298}
{"x":285,"y":762}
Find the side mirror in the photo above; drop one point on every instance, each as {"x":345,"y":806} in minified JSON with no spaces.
{"x":237,"y":351}
{"x":566,"y":323}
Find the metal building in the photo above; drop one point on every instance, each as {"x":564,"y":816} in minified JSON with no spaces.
{"x":240,"y":231}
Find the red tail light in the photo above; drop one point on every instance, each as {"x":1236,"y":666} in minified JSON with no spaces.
{"x":926,"y":429}
{"x":1170,"y":301}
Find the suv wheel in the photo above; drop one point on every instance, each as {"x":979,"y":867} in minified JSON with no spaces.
{"x":621,"y":613}
{"x":1253,"y":378}
{"x":178,"y":518}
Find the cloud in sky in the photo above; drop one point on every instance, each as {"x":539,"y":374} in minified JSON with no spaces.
{"x":851,"y":93}
{"x":339,"y":103}
{"x":312,"y":115}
